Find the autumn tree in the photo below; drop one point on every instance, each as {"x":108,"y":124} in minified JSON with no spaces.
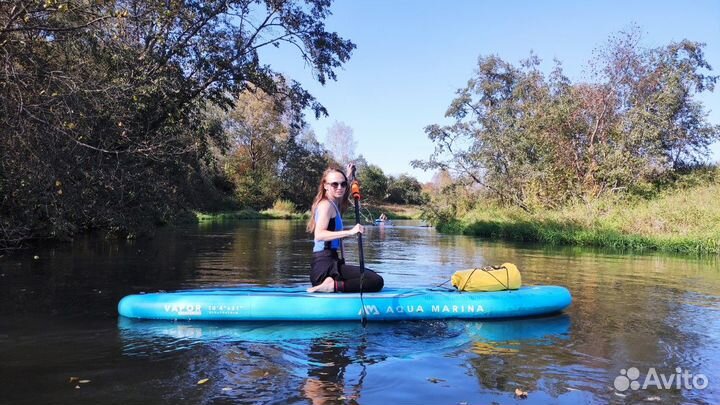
{"x":257,"y":136}
{"x":103,"y":104}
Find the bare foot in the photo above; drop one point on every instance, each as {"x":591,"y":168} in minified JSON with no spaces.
{"x":327,"y":286}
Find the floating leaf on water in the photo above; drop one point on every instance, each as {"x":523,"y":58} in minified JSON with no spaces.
{"x":84,"y":381}
{"x":227,"y":389}
{"x":486,"y":349}
{"x":520,"y":393}
{"x":203,"y":381}
{"x":620,"y":395}
{"x":435,"y":380}
{"x":653,"y":399}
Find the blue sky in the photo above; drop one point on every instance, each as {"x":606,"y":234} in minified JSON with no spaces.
{"x":412,"y":56}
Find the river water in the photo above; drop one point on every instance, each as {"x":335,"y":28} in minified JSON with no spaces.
{"x":640,"y":328}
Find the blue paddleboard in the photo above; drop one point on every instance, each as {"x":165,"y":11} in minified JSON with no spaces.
{"x":391,"y":304}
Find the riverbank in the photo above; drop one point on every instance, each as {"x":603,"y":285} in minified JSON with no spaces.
{"x":685,"y":219}
{"x":369,"y":213}
{"x":248,"y":214}
{"x":392,"y":211}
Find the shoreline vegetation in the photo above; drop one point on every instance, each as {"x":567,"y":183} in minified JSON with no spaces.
{"x":685,"y":219}
{"x":286,"y":210}
{"x":619,"y":159}
{"x":137,"y":132}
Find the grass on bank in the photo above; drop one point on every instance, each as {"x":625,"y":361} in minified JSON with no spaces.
{"x":371,"y":211}
{"x":283,"y":209}
{"x":247,"y":214}
{"x":685,"y":220}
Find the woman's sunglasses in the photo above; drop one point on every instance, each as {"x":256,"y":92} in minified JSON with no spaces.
{"x":335,"y":184}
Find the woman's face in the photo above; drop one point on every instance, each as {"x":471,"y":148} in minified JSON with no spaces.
{"x":335,"y":185}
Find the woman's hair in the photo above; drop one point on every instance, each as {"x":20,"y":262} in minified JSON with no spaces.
{"x":320,"y":195}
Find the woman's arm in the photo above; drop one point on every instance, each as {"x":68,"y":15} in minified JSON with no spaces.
{"x":324,"y":214}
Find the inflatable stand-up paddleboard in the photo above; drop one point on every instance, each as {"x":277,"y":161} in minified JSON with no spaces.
{"x":390,"y":304}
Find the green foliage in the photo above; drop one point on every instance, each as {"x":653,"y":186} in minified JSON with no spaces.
{"x":447,"y":201}
{"x":281,"y":205}
{"x":269,"y":157}
{"x":228,"y":216}
{"x":373,"y":182}
{"x":404,"y":190}
{"x":247,"y":214}
{"x":105,"y":104}
{"x":256,"y":137}
{"x":539,"y":141}
{"x":682,"y":219}
{"x":255,"y":189}
{"x":301,"y":169}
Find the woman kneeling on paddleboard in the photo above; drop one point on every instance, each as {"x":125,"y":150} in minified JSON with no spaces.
{"x":329,"y":272}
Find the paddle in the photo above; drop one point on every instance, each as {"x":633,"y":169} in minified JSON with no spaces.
{"x":355,"y":190}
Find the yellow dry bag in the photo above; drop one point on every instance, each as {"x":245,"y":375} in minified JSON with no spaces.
{"x":488,"y":278}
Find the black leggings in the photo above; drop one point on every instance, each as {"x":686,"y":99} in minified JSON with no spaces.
{"x":347,"y":277}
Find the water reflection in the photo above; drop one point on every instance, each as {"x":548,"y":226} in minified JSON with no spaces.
{"x":58,"y":318}
{"x":407,"y":338}
{"x":328,"y":362}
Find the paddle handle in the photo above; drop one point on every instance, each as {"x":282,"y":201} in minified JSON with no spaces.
{"x":355,"y":190}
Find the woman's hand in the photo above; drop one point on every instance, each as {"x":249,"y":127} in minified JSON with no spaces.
{"x":350,"y":171}
{"x":357,"y":229}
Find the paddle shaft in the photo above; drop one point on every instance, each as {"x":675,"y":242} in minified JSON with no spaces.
{"x":356,"y":196}
{"x":360,"y":245}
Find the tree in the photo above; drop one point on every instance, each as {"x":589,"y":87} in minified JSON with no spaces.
{"x":360,"y":162}
{"x":341,"y":143}
{"x":440,"y":180}
{"x":404,"y":190}
{"x":103,"y":103}
{"x":538,"y":141}
{"x":258,"y":139}
{"x":304,"y":163}
{"x":374,"y":183}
